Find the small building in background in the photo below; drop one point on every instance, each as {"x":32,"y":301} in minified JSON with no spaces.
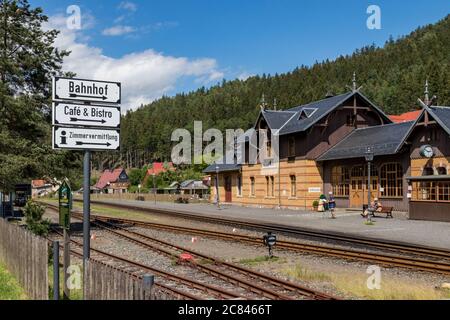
{"x":42,"y":187}
{"x":194,"y":187}
{"x":113,"y":181}
{"x":157,"y":168}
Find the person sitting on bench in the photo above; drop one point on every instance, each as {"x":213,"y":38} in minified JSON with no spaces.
{"x":375,"y":206}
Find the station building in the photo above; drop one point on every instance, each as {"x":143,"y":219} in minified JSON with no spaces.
{"x":323,"y":147}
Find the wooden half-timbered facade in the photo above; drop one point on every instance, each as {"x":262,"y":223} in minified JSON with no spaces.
{"x":322,"y":148}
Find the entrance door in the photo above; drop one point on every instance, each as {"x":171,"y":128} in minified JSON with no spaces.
{"x":228,"y":189}
{"x":357,"y":187}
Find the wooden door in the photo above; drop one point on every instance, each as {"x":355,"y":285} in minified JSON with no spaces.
{"x":228,"y":189}
{"x":357,"y":185}
{"x":356,"y":192}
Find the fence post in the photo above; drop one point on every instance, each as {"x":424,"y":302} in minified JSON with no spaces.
{"x":55,"y":270}
{"x":148,"y":280}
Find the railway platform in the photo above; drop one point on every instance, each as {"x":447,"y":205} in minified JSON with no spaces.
{"x":426,"y":233}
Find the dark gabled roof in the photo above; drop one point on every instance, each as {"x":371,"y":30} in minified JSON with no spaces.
{"x":383,"y":140}
{"x":441,"y":115}
{"x":302,"y":117}
{"x":323,"y":107}
{"x":222,"y":168}
{"x":276,"y":119}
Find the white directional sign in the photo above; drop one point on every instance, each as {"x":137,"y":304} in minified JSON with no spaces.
{"x":86,"y":90}
{"x":85,"y":115}
{"x":85,"y":138}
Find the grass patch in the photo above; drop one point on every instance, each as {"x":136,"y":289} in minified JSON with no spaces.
{"x":258,"y":260}
{"x":75,"y":294}
{"x":9,"y":287}
{"x":110,"y":211}
{"x":302,"y":273}
{"x":355,"y":285}
{"x":390,"y":289}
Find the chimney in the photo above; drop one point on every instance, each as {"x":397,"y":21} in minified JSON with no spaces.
{"x":329,"y":95}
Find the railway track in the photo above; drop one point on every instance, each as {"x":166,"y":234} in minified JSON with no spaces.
{"x":170,"y":290}
{"x":427,"y":261}
{"x":378,"y":244}
{"x":172,"y":281}
{"x":259,"y":284}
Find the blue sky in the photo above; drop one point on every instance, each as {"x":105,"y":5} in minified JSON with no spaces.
{"x":181,"y":45}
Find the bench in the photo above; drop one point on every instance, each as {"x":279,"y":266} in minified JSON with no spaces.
{"x":385,"y":210}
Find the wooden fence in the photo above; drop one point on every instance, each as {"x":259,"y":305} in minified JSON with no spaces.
{"x":104,"y":282}
{"x":26,"y":257}
{"x":148,"y":197}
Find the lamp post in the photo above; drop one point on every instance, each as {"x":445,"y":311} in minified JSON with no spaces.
{"x":217,"y":186}
{"x":369,"y":159}
{"x":154,"y":187}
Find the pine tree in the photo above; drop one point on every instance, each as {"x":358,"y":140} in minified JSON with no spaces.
{"x":28,"y":60}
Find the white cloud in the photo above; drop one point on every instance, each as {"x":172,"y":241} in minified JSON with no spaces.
{"x":128,"y":5}
{"x":145,"y":75}
{"x":245,"y":75}
{"x":118,"y":30}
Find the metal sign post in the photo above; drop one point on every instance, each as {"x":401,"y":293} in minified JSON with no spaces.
{"x":86,"y":116}
{"x":65,"y":206}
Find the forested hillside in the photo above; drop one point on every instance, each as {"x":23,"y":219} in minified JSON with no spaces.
{"x":393,"y":77}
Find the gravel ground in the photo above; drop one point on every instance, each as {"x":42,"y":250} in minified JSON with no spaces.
{"x":236,"y":252}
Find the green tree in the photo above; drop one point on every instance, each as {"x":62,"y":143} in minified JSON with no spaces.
{"x":34,"y":218}
{"x":28,"y":60}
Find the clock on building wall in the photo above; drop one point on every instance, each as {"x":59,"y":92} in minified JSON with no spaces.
{"x":426,"y":151}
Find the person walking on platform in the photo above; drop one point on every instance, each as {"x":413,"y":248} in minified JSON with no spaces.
{"x":331,"y":205}
{"x":322,"y":203}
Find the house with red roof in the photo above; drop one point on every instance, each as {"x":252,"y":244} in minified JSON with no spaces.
{"x":41,"y":187}
{"x":405,"y":117}
{"x":113,"y":181}
{"x":159,"y":167}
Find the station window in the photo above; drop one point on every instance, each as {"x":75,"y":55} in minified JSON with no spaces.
{"x":340,"y":181}
{"x":239,"y":185}
{"x":293,"y":186}
{"x":351,"y":120}
{"x":291,"y":147}
{"x":272,"y":186}
{"x":431,"y":191}
{"x":391,"y":180}
{"x":252,"y":186}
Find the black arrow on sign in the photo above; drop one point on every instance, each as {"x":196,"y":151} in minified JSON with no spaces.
{"x":81,"y":143}
{"x":74,"y":95}
{"x":88,"y":120}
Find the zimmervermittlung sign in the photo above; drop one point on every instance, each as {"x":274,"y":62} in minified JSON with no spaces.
{"x":86,"y":90}
{"x":85,"y":138}
{"x":85,"y":115}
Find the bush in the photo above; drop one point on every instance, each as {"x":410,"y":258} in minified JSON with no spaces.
{"x":33,"y":218}
{"x":315,"y":203}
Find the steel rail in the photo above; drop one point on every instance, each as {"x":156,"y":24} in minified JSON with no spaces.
{"x":285,"y":285}
{"x":361,"y":240}
{"x":161,"y":286}
{"x":384,"y":259}
{"x":217,"y":292}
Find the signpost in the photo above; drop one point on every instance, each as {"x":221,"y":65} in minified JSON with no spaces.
{"x":65,"y":205}
{"x":71,"y":89}
{"x":85,"y":138}
{"x":86,"y":116}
